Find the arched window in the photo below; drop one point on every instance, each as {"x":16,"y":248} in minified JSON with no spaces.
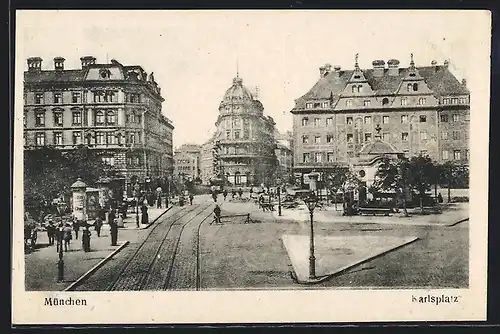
{"x":359,"y":88}
{"x":110,"y":117}
{"x":415,"y":87}
{"x":99,"y":117}
{"x":385,"y":101}
{"x":409,"y":87}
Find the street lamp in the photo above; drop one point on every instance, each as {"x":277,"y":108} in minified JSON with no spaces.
{"x":279,"y":197}
{"x":136,"y":194}
{"x":311,"y":202}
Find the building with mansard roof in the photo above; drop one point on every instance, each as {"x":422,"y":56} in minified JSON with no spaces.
{"x":419,"y":109}
{"x":245,"y":138}
{"x":112,"y":108}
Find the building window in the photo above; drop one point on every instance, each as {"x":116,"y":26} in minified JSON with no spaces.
{"x":40,"y":139}
{"x":131,"y":138}
{"x":348,"y":103}
{"x":326,"y":104}
{"x":422,"y":101}
{"x":404,"y":119}
{"x":423,"y":118}
{"x":444,"y":135}
{"x":99,"y":118}
{"x":246,"y":133}
{"x":110,"y":117}
{"x":329,"y":139}
{"x":385,"y":119}
{"x":77,"y":117}
{"x":385,"y":101}
{"x":305,"y":139}
{"x":309,"y":105}
{"x":329,"y":121}
{"x":467,"y":154}
{"x":77,"y":137}
{"x":415,"y":87}
{"x":456,"y":118}
{"x":58,"y":138}
{"x":446,"y":101}
{"x":57,"y":97}
{"x":131,"y":118}
{"x":318,"y":157}
{"x":25,"y":119}
{"x":423,"y":135}
{"x":306,"y":157}
{"x":350,"y":138}
{"x":317,"y":140}
{"x":109,"y":96}
{"x":329,"y":157}
{"x":236,"y":135}
{"x":349,"y":120}
{"x":444,"y":118}
{"x":38,"y":98}
{"x":139,"y":119}
{"x":99,"y":138}
{"x":39,"y":118}
{"x":355,"y":89}
{"x":109,"y":160}
{"x":463,"y":100}
{"x":368,"y":137}
{"x":110,"y":138}
{"x":76,"y":97}
{"x":228,"y":134}
{"x":366,"y":103}
{"x":317,"y":122}
{"x":368,"y":120}
{"x":98,"y":96}
{"x":236,"y":122}
{"x":454,"y":100}
{"x":409,"y":87}
{"x":386,"y":136}
{"x":456,"y":135}
{"x":445,"y":155}
{"x":456,"y":155}
{"x":404,"y":136}
{"x":58,"y":118}
{"x":305,"y":121}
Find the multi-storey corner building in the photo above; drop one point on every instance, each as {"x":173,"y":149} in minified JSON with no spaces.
{"x":187,"y":161}
{"x":416,"y":110}
{"x":246,"y":138}
{"x":113,"y":108}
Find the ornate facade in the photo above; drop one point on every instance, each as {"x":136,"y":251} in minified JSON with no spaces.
{"x":246,"y":154}
{"x":113,"y":108}
{"x":420,"y":110}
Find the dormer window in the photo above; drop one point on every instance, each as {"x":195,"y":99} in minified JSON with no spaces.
{"x":309,"y":105}
{"x":348,"y":103}
{"x":357,"y":77}
{"x":305,"y":121}
{"x":422,"y":101}
{"x":412,"y":74}
{"x":415,"y":87}
{"x":385,"y":101}
{"x":326,"y":104}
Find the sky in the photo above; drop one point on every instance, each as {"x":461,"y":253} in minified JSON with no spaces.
{"x":195,"y":54}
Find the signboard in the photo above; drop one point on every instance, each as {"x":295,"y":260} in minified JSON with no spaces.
{"x":92,"y":204}
{"x":78,"y":204}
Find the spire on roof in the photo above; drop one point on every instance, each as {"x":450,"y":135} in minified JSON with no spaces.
{"x":356,"y":65}
{"x":237,"y":68}
{"x":412,"y":63}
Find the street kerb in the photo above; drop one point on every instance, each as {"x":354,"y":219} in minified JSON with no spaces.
{"x":154,"y":220}
{"x":97,"y":266}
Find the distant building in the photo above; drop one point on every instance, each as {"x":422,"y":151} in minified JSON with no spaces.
{"x":187,"y":161}
{"x":112,"y":108}
{"x":246,"y":154}
{"x":284,"y":154}
{"x":207,"y":161}
{"x":420,"y":110}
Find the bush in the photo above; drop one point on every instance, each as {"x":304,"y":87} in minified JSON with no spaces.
{"x":460,"y":199}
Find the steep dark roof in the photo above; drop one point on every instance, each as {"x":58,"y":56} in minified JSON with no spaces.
{"x":439,"y":79}
{"x":51,"y":76}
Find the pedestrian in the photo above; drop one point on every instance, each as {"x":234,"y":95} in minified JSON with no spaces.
{"x":217,"y":214}
{"x":111,"y":216}
{"x":224,"y":194}
{"x":214,"y":196}
{"x":251,"y":192}
{"x":440,"y":198}
{"x":51,"y":231}
{"x":114,"y":232}
{"x":76,"y":227}
{"x":233,"y":193}
{"x":86,"y":238}
{"x":191,"y":197}
{"x":158,"y":202}
{"x":59,"y":237}
{"x":144,"y":214}
{"x":67,"y":236}
{"x":240,"y":192}
{"x":98,"y":225}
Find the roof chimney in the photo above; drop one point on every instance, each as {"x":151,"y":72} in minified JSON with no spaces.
{"x":378,"y":68}
{"x":434,"y":64}
{"x":59,"y":63}
{"x":328,"y":68}
{"x":87,"y":60}
{"x":34,"y":64}
{"x":321,"y":72}
{"x":446,"y":63}
{"x":393,"y":65}
{"x":336,"y":71}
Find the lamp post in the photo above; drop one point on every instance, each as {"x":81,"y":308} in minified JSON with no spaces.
{"x":279,"y":197}
{"x":136,"y":195}
{"x":311,"y":202}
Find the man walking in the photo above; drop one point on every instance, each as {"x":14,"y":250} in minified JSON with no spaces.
{"x":98,"y":225}
{"x":51,"y":230}
{"x":191,"y":197}
{"x":114,"y":232}
{"x":216,"y":214}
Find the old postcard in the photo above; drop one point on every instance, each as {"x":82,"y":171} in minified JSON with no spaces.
{"x":250,"y":166}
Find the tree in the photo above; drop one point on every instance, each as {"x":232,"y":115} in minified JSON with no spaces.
{"x":421,"y":176}
{"x":453,"y":175}
{"x":392,"y":175}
